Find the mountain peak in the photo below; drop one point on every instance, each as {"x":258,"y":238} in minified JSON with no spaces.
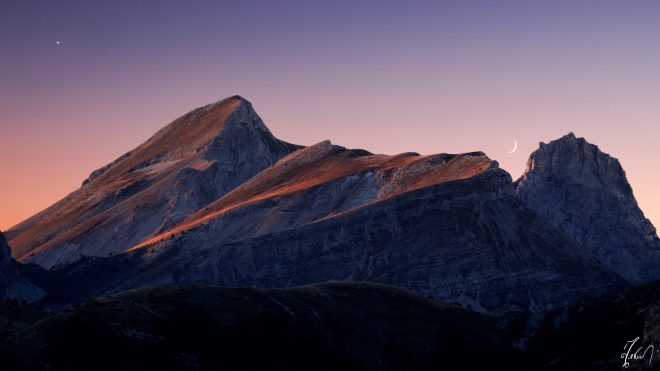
{"x":192,"y":161}
{"x":567,"y":138}
{"x":232,"y":100}
{"x":575,"y":159}
{"x":584,"y":192}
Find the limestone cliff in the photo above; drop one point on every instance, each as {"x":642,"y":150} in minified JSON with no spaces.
{"x":584,"y":193}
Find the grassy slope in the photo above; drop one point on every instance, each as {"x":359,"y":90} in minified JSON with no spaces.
{"x":333,"y":326}
{"x":591,"y":335}
{"x":328,"y":326}
{"x":16,"y":315}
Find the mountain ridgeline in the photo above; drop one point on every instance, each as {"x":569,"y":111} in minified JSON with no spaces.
{"x":215,"y":198}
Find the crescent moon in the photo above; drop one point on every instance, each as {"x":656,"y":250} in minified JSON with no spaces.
{"x":515,"y":147}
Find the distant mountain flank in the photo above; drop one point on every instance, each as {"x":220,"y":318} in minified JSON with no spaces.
{"x":14,"y":278}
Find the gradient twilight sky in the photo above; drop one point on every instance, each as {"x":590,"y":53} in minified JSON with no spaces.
{"x":387,"y":76}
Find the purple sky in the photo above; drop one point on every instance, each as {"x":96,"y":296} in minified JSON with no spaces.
{"x":387,"y":76}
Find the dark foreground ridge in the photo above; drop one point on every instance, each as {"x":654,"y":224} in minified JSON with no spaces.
{"x":331,"y":326}
{"x":319,"y":327}
{"x":14,"y":277}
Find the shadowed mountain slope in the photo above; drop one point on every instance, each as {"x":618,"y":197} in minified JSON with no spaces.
{"x":14,"y":282}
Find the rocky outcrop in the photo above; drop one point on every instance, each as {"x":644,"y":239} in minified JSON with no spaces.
{"x":584,"y":193}
{"x":12,"y":284}
{"x":191,"y":162}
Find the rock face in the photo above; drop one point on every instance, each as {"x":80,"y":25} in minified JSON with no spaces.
{"x":186,"y":165}
{"x":322,"y":181}
{"x":584,"y":193}
{"x":465,"y":241}
{"x":445,"y":225}
{"x":12,"y":284}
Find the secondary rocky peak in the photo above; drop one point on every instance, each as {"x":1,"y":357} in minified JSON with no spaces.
{"x":308,"y":155}
{"x":585,"y":193}
{"x":573,"y":159}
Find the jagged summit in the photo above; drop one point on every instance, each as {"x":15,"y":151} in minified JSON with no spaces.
{"x":567,"y":137}
{"x":585,"y":193}
{"x":573,"y":159}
